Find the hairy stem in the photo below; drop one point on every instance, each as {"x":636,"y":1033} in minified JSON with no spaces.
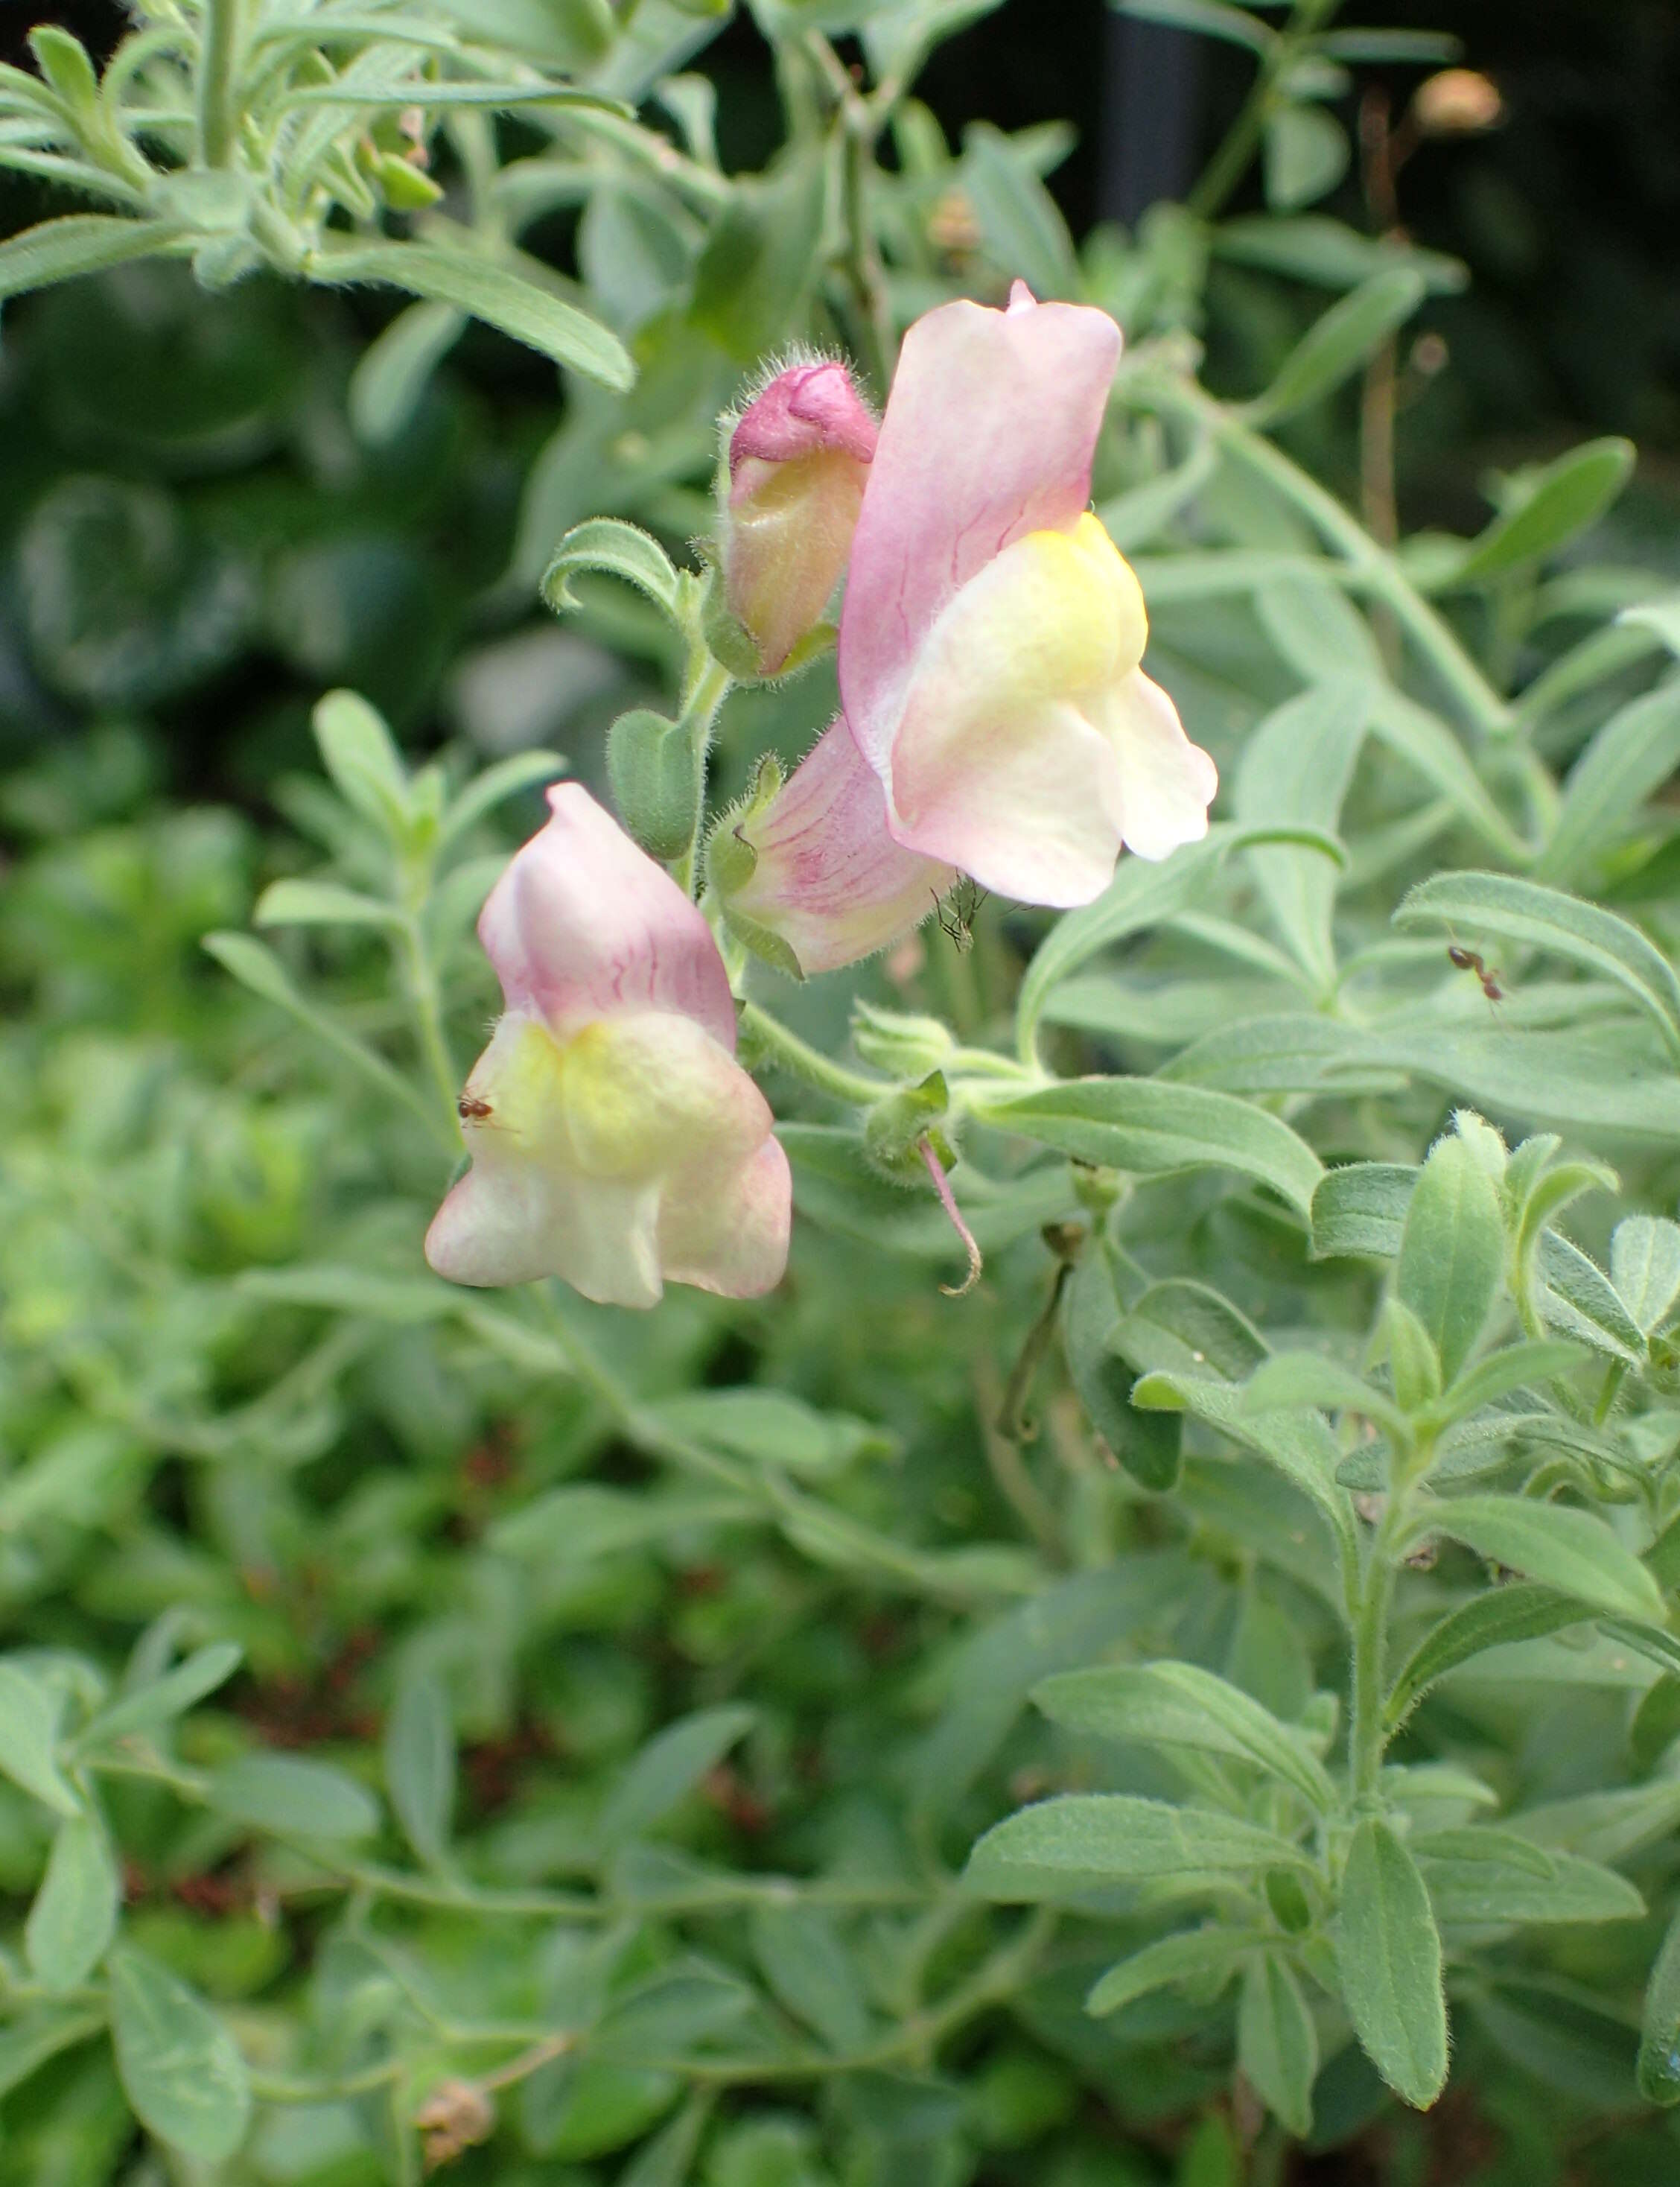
{"x":218,"y":68}
{"x":791,"y":1053}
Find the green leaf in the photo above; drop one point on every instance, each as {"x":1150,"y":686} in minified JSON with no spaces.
{"x":1660,"y":2034}
{"x":181,"y":2068}
{"x":1562,"y":499}
{"x":1189,"y":1327}
{"x":321,"y":903}
{"x":508,"y":778}
{"x":1661,"y":616}
{"x":1298,"y":1443}
{"x":1519,"y":1611}
{"x":1147,"y":1445}
{"x":1295,"y":770}
{"x":1337,"y":343}
{"x":1196,"y":1957}
{"x":29,"y":1726}
{"x":1292,"y":1381}
{"x":1388,"y":1952}
{"x":171,"y":1695}
{"x":488,"y":291}
{"x":80,"y":243}
{"x":1312,"y":247}
{"x":73,"y":1916}
{"x":293,"y":1798}
{"x":572,"y":1527}
{"x":656,"y":768}
{"x":1024,"y":230}
{"x":773,"y":1428}
{"x":255,"y":966}
{"x":1361,"y":1208}
{"x":1573,"y":1551}
{"x":1414,"y":1363}
{"x":762,"y":254}
{"x":1516,"y":1367}
{"x":1182,"y":1705}
{"x":395,"y":367}
{"x":1424,"y":741}
{"x":1150,"y":1128}
{"x":419,"y":1760}
{"x":1626,"y":761}
{"x":357,"y":751}
{"x":1064,"y":1624}
{"x":28,"y":2042}
{"x":1215,"y":19}
{"x":1645,"y":1267}
{"x":1580,"y":1300}
{"x":1452,"y":1251}
{"x":1304,"y":155}
{"x":1098,"y":1837}
{"x":1277,"y":2042}
{"x":811,"y":1972}
{"x":608,"y":544}
{"x":668,"y":1767}
{"x":1325,"y":639}
{"x":1481,"y":1874}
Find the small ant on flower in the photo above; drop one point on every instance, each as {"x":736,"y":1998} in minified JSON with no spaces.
{"x":958,"y":912}
{"x":1470,"y":960}
{"x":470,"y":1109}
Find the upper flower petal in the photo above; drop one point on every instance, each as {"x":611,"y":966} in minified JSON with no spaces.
{"x":584,"y":924}
{"x":988,"y":436}
{"x":830,"y":880}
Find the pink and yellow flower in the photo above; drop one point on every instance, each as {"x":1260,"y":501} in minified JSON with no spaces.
{"x":990,"y":657}
{"x":615,"y":1140}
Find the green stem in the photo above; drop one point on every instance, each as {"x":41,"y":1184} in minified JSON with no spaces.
{"x":707,"y":688}
{"x":218,"y":68}
{"x":1367,"y":1735}
{"x":787,"y":1049}
{"x":1426,"y":629}
{"x":1230,"y":163}
{"x":427,"y":1000}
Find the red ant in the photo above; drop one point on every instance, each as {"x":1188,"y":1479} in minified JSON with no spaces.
{"x":469,"y":1108}
{"x":1470,"y":960}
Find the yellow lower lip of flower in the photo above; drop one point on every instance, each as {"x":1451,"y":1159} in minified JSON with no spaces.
{"x":615,"y":1101}
{"x":1056,"y":613}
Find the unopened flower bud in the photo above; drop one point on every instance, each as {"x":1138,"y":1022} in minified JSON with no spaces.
{"x":799,"y":458}
{"x":1456,"y":102}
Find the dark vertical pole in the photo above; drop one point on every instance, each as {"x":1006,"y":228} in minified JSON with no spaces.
{"x":1151,"y":116}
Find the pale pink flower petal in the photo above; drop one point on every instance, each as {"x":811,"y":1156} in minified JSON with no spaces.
{"x":988,"y":436}
{"x":730,"y":1235}
{"x":1167,"y":782}
{"x":510,"y":1222}
{"x":830,"y":880}
{"x":584,"y":923}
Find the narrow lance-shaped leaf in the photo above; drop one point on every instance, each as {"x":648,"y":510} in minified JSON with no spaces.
{"x":1388,"y":1952}
{"x":1151,"y":1128}
{"x":1452,"y":1251}
{"x":1113,"y":1836}
{"x":1573,"y":1551}
{"x":1568,"y":496}
{"x":1340,"y":342}
{"x":1536,"y":918}
{"x":519,"y":308}
{"x":1182,"y":1705}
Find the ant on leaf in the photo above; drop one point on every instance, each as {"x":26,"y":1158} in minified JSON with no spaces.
{"x":1470,"y":960}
